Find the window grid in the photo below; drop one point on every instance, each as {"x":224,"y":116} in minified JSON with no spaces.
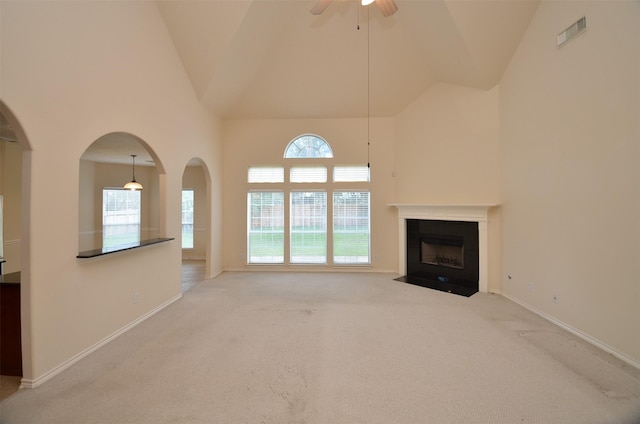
{"x":308,"y":227}
{"x":187,"y":218}
{"x":351,"y":227}
{"x":308,"y":146}
{"x":303,"y":237}
{"x":266,"y":227}
{"x":120,"y":217}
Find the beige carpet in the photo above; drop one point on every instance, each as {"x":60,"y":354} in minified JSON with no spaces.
{"x":336,"y":348}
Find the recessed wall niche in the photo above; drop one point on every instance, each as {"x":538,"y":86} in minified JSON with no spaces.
{"x":105,"y":166}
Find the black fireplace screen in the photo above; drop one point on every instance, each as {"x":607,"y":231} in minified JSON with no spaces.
{"x":448,"y":253}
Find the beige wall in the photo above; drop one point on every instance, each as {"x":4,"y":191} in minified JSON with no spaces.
{"x":446,"y":147}
{"x":194,"y":178}
{"x":262,"y":142}
{"x":70,"y":78}
{"x":571,"y":176}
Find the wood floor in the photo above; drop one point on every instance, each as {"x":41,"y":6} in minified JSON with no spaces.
{"x":192,"y":274}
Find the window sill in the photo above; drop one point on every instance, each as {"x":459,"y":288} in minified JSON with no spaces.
{"x":113,"y":249}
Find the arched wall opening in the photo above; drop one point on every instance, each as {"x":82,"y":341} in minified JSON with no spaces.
{"x":108,"y":214}
{"x":196,"y":215}
{"x":15,"y":178}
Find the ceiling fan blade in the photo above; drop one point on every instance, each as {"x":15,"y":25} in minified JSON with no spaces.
{"x":388,"y":7}
{"x":320,"y":6}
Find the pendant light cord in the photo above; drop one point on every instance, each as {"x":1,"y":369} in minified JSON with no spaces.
{"x":368,"y":82}
{"x":368,"y":89}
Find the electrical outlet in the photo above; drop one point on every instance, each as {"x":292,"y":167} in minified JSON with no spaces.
{"x":532,"y":287}
{"x":136,"y":297}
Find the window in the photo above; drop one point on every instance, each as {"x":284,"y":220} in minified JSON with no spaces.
{"x":308,"y":146}
{"x":266,"y":174}
{"x":308,"y":227}
{"x":187,"y":219}
{"x":355,"y":173}
{"x":351,"y":229}
{"x":308,"y":174}
{"x":287,"y":223}
{"x":266,"y":227}
{"x":120,"y":217}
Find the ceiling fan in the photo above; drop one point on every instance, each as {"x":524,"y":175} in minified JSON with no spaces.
{"x":387,"y":7}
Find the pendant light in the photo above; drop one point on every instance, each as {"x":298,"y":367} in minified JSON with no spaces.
{"x":133,"y":185}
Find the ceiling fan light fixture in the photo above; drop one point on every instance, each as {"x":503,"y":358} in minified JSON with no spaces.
{"x":133,"y":185}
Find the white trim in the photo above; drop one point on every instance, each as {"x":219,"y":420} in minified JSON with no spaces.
{"x":597,"y":343}
{"x":469,"y":213}
{"x":32,"y":384}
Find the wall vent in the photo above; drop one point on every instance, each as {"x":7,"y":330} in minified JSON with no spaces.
{"x":573,"y":31}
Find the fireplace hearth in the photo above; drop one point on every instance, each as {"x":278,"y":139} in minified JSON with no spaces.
{"x":442,"y":255}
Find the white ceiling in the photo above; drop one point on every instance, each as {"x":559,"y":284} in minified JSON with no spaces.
{"x":273,"y":59}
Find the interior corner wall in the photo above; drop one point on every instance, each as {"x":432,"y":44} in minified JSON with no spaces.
{"x":70,"y":78}
{"x":447,"y":152}
{"x":569,"y":133}
{"x":446,"y":147}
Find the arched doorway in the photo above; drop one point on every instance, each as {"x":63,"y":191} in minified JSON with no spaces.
{"x":196,"y":224}
{"x":15,"y":160}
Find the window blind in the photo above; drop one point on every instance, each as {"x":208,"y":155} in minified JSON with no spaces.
{"x":351,"y":173}
{"x":308,"y":226}
{"x":308,"y":174}
{"x":266,"y":174}
{"x":351,"y":227}
{"x":265,"y":242}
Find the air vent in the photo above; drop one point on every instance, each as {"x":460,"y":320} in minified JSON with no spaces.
{"x":573,"y":31}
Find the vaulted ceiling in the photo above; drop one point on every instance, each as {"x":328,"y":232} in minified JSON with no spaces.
{"x":274,"y":59}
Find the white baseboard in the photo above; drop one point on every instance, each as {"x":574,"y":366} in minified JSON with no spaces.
{"x":577,"y":332}
{"x":32,"y":384}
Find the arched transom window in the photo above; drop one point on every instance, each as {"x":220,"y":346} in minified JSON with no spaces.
{"x":308,"y":212}
{"x":308,"y":146}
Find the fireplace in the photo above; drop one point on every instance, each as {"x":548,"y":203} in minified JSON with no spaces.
{"x":442,"y":251}
{"x":442,"y":255}
{"x":460,"y":242}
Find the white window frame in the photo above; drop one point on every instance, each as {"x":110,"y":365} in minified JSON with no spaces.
{"x":191,"y":233}
{"x":313,"y":233}
{"x":300,"y":175}
{"x":358,"y":228}
{"x":131,"y":237}
{"x":274,"y":258}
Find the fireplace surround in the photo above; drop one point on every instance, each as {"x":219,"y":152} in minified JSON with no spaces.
{"x":457,"y":213}
{"x":442,"y":255}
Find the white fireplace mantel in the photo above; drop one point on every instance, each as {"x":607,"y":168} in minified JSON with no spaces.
{"x":470,"y":213}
